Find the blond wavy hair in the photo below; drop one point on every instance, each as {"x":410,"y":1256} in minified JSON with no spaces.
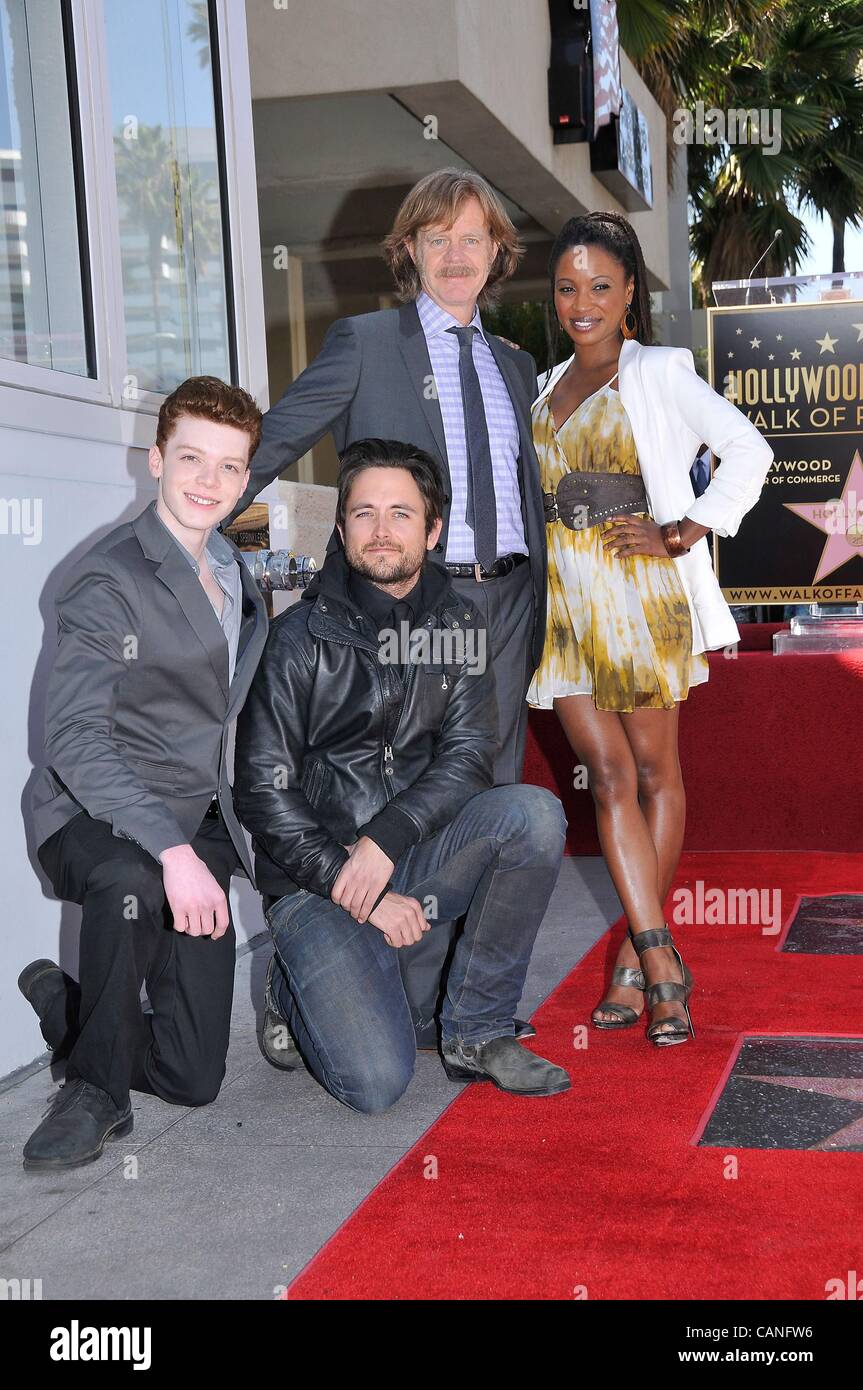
{"x":436,"y":200}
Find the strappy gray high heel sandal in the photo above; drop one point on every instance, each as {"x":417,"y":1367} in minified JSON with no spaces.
{"x":628,"y":977}
{"x":666,"y":991}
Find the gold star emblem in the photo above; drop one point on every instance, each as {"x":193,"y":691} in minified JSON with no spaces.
{"x":770,"y":357}
{"x":738,"y":331}
{"x":779,"y":337}
{"x":755,"y":342}
{"x":859,"y":327}
{"x":795,"y":354}
{"x":827,"y":344}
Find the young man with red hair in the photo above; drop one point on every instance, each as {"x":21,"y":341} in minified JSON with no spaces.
{"x":160,"y":628}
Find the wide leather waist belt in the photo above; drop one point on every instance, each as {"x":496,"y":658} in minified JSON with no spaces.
{"x":585,"y":499}
{"x":502,"y":565}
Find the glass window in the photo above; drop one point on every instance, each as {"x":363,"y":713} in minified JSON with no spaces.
{"x":42,"y":317}
{"x":168,"y":166}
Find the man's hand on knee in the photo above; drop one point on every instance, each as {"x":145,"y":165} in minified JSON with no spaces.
{"x":197,"y":903}
{"x":362,"y":878}
{"x":400,"y":919}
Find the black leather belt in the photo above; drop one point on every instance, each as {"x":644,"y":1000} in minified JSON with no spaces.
{"x":501,"y":566}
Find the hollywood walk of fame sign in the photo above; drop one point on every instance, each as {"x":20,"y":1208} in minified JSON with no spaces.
{"x":796,"y":371}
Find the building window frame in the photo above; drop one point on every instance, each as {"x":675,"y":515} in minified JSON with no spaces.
{"x":30,"y":376}
{"x":99,"y":217}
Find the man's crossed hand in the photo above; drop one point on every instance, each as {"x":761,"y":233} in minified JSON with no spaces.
{"x":362,"y":878}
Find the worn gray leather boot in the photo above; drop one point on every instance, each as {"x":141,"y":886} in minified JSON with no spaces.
{"x":507,"y":1064}
{"x":277,"y":1044}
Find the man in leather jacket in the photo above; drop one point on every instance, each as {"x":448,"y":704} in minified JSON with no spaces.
{"x":364,"y":772}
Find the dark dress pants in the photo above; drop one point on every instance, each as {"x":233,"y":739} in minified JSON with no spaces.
{"x":127,"y":938}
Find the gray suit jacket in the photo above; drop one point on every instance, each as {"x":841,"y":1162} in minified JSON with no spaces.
{"x":138,"y":703}
{"x":370,"y":380}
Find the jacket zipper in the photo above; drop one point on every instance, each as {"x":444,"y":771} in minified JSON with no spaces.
{"x":388,"y":751}
{"x":388,"y":744}
{"x":388,"y":747}
{"x":389,"y":756}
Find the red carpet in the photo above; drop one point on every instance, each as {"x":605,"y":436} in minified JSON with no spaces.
{"x":603,"y":1189}
{"x":770,"y":748}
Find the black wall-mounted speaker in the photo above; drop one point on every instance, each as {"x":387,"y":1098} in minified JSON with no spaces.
{"x":570,"y":72}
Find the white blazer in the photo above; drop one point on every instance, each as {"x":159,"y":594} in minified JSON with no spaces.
{"x":672,"y":411}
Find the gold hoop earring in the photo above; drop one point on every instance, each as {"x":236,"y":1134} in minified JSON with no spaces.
{"x":629,"y":323}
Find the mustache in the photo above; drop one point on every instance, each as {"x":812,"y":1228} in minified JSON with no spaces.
{"x":457,"y":271}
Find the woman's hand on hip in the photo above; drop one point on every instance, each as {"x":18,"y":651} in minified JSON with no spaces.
{"x":634,"y":535}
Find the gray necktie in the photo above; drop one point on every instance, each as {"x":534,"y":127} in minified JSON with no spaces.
{"x":481,"y":514}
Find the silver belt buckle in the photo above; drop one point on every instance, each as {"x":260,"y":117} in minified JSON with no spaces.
{"x":477,"y":572}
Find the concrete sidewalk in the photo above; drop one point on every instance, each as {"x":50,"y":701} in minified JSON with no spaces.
{"x":231,"y":1200}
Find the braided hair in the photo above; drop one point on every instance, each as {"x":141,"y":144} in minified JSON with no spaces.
{"x":616,"y":235}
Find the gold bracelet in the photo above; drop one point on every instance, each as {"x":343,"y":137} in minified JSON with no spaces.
{"x":672,"y":539}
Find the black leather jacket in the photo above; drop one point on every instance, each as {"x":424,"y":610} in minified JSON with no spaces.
{"x":333,"y":744}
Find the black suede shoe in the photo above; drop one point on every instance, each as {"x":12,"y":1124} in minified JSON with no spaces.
{"x":80,"y":1120}
{"x":276,"y":1041}
{"x":507,"y":1064}
{"x":428,"y":1039}
{"x":46,"y":988}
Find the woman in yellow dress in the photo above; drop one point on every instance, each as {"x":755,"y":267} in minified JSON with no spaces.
{"x":619,"y":656}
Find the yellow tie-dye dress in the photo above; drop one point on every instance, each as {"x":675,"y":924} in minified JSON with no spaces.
{"x":618,"y":626}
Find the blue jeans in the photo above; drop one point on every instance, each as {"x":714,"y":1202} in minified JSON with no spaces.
{"x":340,"y":986}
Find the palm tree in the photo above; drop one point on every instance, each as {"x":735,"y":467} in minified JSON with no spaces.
{"x":797,"y":58}
{"x":822,"y":48}
{"x":743,"y":188}
{"x":683,"y":49}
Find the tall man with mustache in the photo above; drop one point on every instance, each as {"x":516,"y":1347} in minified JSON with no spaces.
{"x":429,"y":374}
